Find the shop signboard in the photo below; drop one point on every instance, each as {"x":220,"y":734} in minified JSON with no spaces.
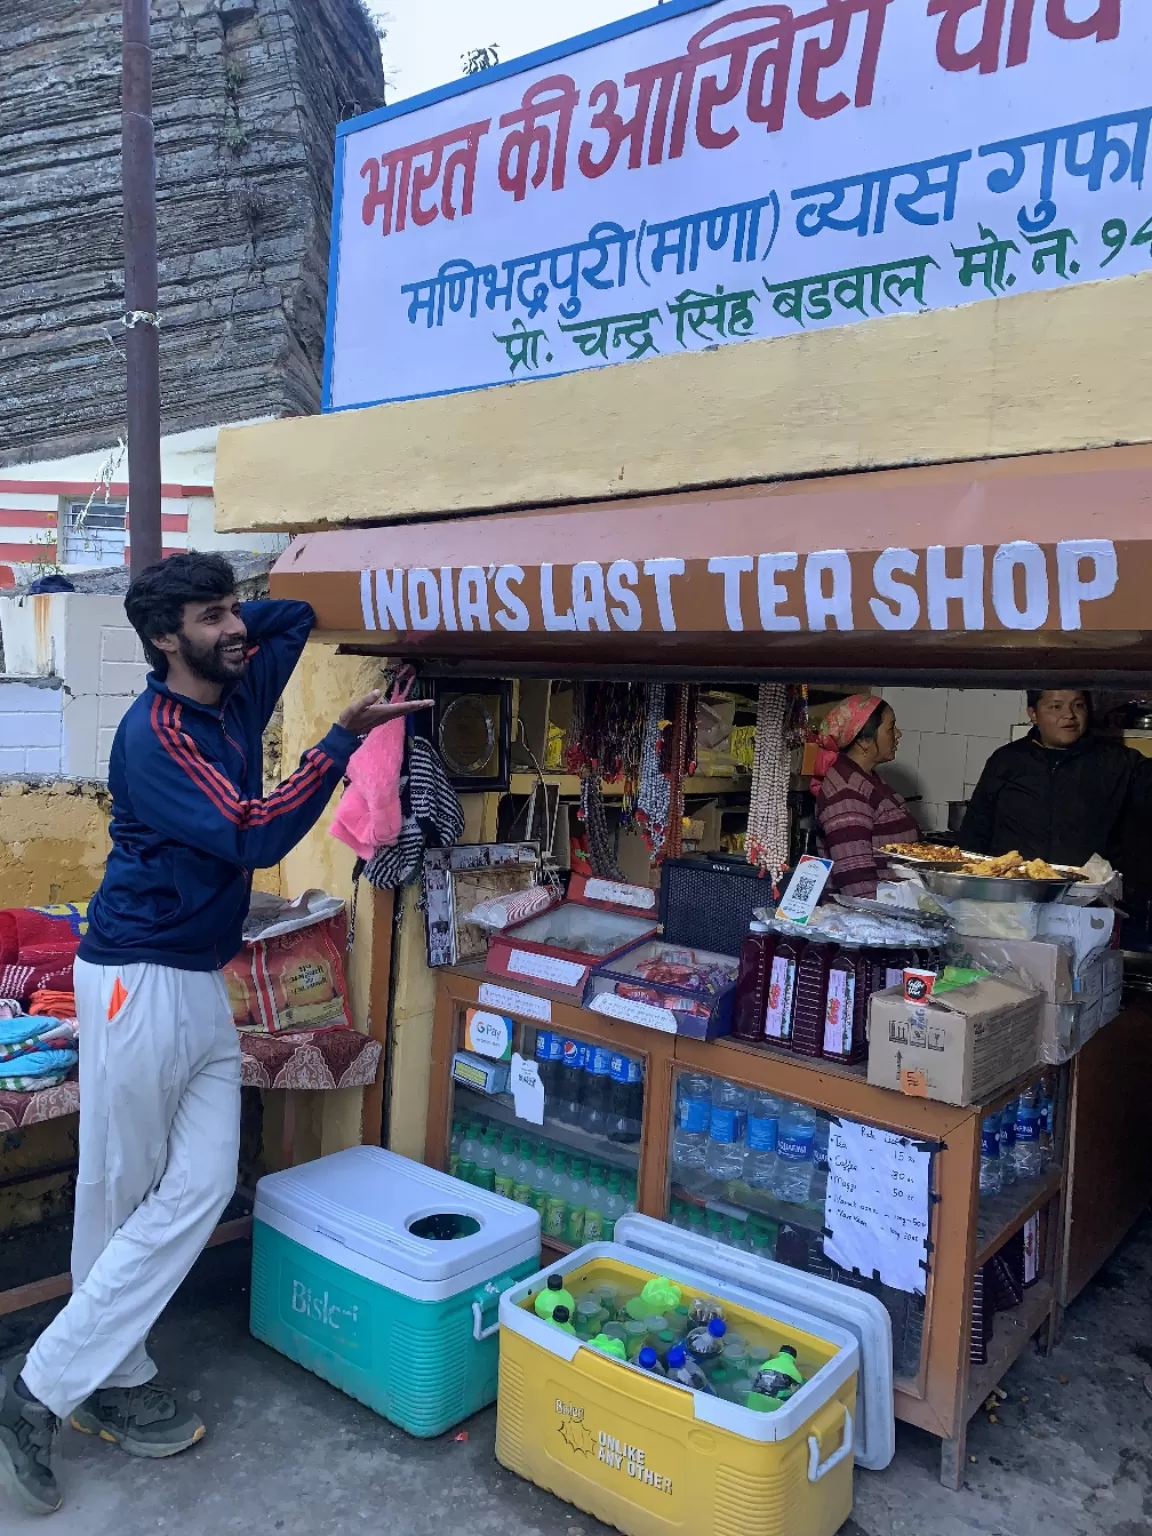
{"x":703,"y":174}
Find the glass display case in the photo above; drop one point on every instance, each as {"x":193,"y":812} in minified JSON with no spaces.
{"x":582,"y":1166}
{"x":749,"y":1169}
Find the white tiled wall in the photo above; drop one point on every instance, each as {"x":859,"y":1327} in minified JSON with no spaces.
{"x":31,"y":727}
{"x":947,"y":735}
{"x":84,"y":644}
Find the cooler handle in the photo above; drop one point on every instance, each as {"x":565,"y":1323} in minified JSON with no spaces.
{"x":818,"y":1469}
{"x":489,"y":1295}
{"x":479,"y":1332}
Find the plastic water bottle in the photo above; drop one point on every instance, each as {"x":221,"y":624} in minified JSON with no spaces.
{"x":597,"y":1090}
{"x":506,"y":1166}
{"x":763,"y":1125}
{"x":594,"y":1204}
{"x":693,"y":1113}
{"x":1008,"y":1144}
{"x":1027,"y":1129}
{"x":469,"y":1150}
{"x":486,"y":1160}
{"x":683,"y":1369}
{"x":991,"y":1174}
{"x":614,"y":1207}
{"x":577,"y":1200}
{"x":724,"y":1155}
{"x":570,"y":1097}
{"x":525,"y":1168}
{"x":555,"y":1221}
{"x":795,"y":1145}
{"x":625,"y":1100}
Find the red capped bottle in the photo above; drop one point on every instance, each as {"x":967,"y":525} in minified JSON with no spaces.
{"x":811,"y":997}
{"x":781,"y":1001}
{"x":751,"y":998}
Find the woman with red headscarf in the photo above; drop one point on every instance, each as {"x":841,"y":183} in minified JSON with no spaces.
{"x":856,"y":811}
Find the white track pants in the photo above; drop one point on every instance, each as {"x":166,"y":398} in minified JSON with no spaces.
{"x":159,"y":1142}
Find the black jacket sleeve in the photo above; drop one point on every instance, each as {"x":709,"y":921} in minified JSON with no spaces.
{"x":980,"y":818}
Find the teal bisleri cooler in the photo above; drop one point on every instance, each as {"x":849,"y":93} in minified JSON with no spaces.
{"x":384,"y":1277}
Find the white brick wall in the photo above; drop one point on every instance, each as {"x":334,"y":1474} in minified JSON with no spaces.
{"x":947,"y":735}
{"x":31,"y":727}
{"x":86,"y":643}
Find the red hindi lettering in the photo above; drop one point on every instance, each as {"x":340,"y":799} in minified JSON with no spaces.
{"x":984,"y":50}
{"x":724,"y":63}
{"x":820,"y":56}
{"x":416,"y":169}
{"x":557,"y":94}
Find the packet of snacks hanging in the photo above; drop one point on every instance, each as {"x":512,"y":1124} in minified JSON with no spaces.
{"x":292,"y":979}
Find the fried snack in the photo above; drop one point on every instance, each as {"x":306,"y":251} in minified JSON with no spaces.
{"x":1004,"y":864}
{"x":930,"y":853}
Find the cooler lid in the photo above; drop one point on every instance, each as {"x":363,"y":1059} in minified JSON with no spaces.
{"x":370,"y":1200}
{"x":854,"y":1311}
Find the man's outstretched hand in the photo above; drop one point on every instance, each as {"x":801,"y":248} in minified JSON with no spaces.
{"x":373,"y":710}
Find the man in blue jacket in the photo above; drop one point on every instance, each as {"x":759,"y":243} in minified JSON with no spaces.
{"x":159,"y":1056}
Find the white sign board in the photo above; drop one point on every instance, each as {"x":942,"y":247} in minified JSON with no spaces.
{"x":701,"y":174}
{"x":876,"y":1211}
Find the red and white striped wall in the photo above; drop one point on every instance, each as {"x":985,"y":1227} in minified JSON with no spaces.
{"x":30,"y":512}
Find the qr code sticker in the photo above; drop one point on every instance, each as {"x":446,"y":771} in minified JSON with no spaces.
{"x":803,"y":889}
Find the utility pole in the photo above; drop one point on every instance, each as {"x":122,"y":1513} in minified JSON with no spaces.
{"x":141,"y":287}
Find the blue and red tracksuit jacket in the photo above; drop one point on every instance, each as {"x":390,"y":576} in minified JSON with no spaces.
{"x":189,"y":819}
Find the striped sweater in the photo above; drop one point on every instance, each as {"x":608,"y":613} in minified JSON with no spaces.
{"x":858,"y":814}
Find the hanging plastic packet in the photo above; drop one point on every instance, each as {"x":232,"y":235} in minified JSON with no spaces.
{"x":610,"y":1346}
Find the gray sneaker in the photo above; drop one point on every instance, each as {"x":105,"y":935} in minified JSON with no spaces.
{"x":28,"y":1433}
{"x":144,"y":1421}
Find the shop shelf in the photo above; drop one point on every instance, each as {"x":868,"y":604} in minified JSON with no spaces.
{"x":742,"y":1200}
{"x":1002,"y":1217}
{"x":1010,"y":1333}
{"x":501,"y":1108}
{"x":732,"y":1043}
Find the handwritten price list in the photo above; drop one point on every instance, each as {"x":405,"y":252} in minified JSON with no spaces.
{"x":877,"y":1207}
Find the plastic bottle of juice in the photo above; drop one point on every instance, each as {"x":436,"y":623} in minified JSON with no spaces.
{"x":751,"y":999}
{"x":525,"y":1167}
{"x":840,"y":1005}
{"x":781,"y":1002}
{"x":506,"y":1165}
{"x":469,"y":1151}
{"x":458,"y":1129}
{"x":614,"y":1207}
{"x":486,"y":1160}
{"x":594,"y":1203}
{"x":541,"y":1174}
{"x":555,"y":1220}
{"x":811,"y":996}
{"x":577,"y":1200}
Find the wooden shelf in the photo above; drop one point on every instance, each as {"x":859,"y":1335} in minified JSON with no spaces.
{"x":500,"y":1107}
{"x":1002,"y":1217}
{"x":751,"y":1202}
{"x":1011,"y":1332}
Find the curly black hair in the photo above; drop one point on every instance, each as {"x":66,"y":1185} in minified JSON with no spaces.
{"x":155,"y":600}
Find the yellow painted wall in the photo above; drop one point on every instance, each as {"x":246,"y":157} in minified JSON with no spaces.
{"x":1034,"y":373}
{"x":53,"y":842}
{"x":321,"y":686}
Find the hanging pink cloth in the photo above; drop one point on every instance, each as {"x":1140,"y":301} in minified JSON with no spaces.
{"x":369,"y":817}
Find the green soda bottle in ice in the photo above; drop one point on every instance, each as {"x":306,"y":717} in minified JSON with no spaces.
{"x":552,"y":1296}
{"x":779,"y":1377}
{"x":561,"y":1319}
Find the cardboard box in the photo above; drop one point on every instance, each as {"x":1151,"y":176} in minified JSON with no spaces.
{"x":960,"y":1047}
{"x":1087,"y":929}
{"x":1047,"y":966}
{"x":1113,"y":975}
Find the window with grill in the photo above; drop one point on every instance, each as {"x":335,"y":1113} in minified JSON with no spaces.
{"x":97,"y":536}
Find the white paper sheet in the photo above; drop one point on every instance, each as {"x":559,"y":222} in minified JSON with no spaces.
{"x":527,"y":1090}
{"x":877,"y":1207}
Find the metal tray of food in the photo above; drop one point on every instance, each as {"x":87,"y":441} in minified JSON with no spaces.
{"x":921,"y":856}
{"x":957,"y":887}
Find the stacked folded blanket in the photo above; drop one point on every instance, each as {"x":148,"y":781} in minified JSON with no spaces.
{"x":36,"y":1053}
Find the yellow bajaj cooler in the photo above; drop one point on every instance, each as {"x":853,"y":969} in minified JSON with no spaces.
{"x":652,"y":1457}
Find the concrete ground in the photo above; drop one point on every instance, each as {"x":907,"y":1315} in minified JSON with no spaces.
{"x":1071,"y":1453}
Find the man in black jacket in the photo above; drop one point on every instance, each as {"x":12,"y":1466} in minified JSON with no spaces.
{"x":1060,"y":792}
